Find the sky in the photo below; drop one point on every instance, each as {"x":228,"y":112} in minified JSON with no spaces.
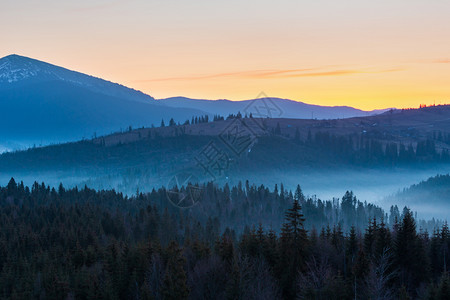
{"x":365,"y":54}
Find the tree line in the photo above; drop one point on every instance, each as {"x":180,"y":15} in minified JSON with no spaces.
{"x":364,"y":149}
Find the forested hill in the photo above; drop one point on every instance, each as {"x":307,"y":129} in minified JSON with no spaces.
{"x":436,"y":188}
{"x":401,"y":126}
{"x":394,"y":138}
{"x":87,"y":244}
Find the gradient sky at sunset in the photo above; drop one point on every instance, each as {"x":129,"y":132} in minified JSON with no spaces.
{"x":366,"y":54}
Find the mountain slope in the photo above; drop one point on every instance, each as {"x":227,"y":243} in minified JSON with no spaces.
{"x":437,"y":188}
{"x":431,"y":197}
{"x":18,"y":70}
{"x":269,"y":107}
{"x":45,"y":104}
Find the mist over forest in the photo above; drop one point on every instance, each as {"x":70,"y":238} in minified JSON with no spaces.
{"x":325,"y":157}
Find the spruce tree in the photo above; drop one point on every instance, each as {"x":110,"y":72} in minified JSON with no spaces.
{"x":278,"y":129}
{"x":175,"y":279}
{"x":293,"y":247}
{"x":409,"y":253}
{"x":299,"y":194}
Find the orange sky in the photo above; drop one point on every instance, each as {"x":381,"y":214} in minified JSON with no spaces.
{"x":366,"y":54}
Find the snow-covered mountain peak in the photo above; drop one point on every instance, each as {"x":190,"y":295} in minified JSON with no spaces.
{"x":19,"y":69}
{"x":14,"y":68}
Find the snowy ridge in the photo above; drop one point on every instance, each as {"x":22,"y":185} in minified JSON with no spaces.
{"x":17,"y":69}
{"x":9,"y":72}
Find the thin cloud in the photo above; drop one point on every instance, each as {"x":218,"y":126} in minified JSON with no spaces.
{"x":343,"y":72}
{"x":277,"y":73}
{"x":442,"y":61}
{"x":249,"y":74}
{"x":431,"y":61}
{"x":267,"y":74}
{"x":327,"y":73}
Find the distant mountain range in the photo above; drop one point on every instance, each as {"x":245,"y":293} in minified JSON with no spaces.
{"x":269,"y":107}
{"x":42,"y":103}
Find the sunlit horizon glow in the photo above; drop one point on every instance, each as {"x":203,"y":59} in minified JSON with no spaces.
{"x":365,"y":54}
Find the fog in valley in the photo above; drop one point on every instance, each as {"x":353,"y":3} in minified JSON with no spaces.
{"x":376,"y":186}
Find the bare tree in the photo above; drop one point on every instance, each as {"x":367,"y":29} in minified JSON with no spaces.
{"x":313,"y":284}
{"x":376,"y":282}
{"x":262,"y":285}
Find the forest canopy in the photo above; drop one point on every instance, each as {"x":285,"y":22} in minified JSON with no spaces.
{"x":85,"y":244}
